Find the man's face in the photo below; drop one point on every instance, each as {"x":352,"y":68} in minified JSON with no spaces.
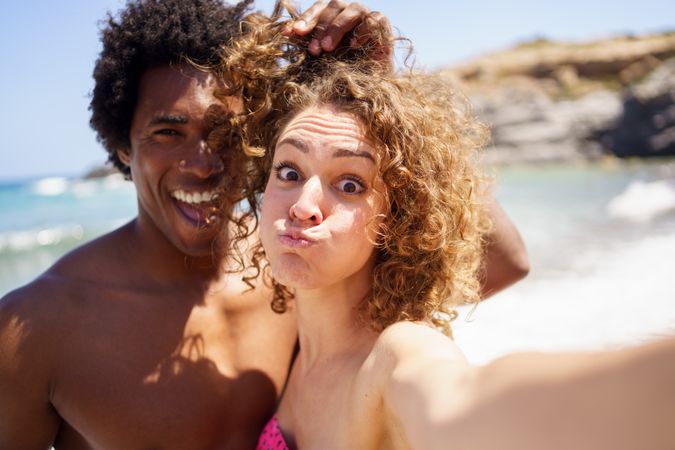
{"x":175,"y":173}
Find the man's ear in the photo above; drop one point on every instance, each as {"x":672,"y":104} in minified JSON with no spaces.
{"x":123,"y":155}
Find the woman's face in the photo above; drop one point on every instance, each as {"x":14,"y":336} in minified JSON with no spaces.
{"x":319,"y":211}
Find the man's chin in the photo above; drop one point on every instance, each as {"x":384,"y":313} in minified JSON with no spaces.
{"x":196,"y":240}
{"x":202,"y":249}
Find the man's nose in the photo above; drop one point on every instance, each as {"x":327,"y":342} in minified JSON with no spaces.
{"x":307,"y":207}
{"x":201,"y":161}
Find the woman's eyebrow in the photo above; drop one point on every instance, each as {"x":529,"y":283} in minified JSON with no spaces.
{"x":345,"y":153}
{"x":295,"y":143}
{"x":339,"y":153}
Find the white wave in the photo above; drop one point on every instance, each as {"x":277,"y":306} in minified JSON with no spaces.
{"x":80,"y":188}
{"x":51,"y":186}
{"x":643,"y":201}
{"x":84,"y":188}
{"x":116,"y":181}
{"x":89,"y":188}
{"x":28,"y":239}
{"x":623,"y":297}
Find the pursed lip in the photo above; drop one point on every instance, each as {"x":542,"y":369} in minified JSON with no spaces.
{"x":296,"y":239}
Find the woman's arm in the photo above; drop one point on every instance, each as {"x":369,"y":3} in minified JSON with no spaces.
{"x":621,"y":399}
{"x":609,"y":400}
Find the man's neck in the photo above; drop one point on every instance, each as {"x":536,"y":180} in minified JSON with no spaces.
{"x":161,"y":261}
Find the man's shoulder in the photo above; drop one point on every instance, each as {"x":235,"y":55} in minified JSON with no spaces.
{"x":88,"y":259}
{"x":43,"y":302}
{"x":65,"y":281}
{"x":32,"y":319}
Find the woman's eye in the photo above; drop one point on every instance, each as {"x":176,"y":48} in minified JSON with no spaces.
{"x":350,"y":186}
{"x":287,"y":174}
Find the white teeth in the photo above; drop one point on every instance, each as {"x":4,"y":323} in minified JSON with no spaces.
{"x":194,"y":197}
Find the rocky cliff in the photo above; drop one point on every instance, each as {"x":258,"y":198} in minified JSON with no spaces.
{"x":550,"y":101}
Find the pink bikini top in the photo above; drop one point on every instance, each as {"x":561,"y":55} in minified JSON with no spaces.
{"x":271,"y":437}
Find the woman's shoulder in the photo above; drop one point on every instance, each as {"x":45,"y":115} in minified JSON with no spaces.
{"x":408,"y":343}
{"x":407,"y":338}
{"x":420,"y":372}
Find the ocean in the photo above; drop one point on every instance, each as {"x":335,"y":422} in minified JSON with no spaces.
{"x":601,"y":240}
{"x":42,"y":219}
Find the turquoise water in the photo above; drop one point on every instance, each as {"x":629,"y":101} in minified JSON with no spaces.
{"x":562,"y":210}
{"x":40,"y":220}
{"x":601,"y":241}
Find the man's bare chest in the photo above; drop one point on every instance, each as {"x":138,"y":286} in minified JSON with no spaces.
{"x":165,"y":381}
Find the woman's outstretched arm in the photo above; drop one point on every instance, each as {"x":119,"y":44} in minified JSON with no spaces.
{"x":622,"y":399}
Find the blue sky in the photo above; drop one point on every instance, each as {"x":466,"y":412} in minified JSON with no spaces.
{"x":48,"y":48}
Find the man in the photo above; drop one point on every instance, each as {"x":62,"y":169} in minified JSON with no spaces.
{"x":142,"y":338}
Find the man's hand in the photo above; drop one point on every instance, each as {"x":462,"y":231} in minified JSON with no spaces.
{"x":330,"y":20}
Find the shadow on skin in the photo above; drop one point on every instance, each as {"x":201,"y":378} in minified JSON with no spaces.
{"x":119,"y":375}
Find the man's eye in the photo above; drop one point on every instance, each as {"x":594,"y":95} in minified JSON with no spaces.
{"x":286,"y":173}
{"x":167,"y":132}
{"x":350,"y":186}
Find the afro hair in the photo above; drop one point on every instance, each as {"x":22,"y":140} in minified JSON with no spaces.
{"x":152,"y":33}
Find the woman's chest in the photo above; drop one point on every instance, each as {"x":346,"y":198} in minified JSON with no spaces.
{"x":341,"y":410}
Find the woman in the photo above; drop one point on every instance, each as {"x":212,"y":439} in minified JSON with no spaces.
{"x":371,"y":216}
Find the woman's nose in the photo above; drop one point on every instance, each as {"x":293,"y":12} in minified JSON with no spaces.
{"x":307,"y":208}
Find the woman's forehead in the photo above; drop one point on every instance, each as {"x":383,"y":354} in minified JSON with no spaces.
{"x":327,"y":123}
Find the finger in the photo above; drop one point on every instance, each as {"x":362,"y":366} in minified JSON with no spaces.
{"x":308,"y":20}
{"x":287,"y":29}
{"x":346,"y":21}
{"x":314,"y":47}
{"x":327,"y":16}
{"x":374,"y":31}
{"x":375,"y":27}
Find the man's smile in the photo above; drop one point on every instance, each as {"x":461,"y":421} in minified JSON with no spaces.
{"x":197,"y":206}
{"x":194,"y":197}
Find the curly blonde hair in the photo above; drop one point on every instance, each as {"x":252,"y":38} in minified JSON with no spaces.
{"x":429,"y":250}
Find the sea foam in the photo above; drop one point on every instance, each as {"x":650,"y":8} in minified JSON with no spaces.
{"x":643,"y":201}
